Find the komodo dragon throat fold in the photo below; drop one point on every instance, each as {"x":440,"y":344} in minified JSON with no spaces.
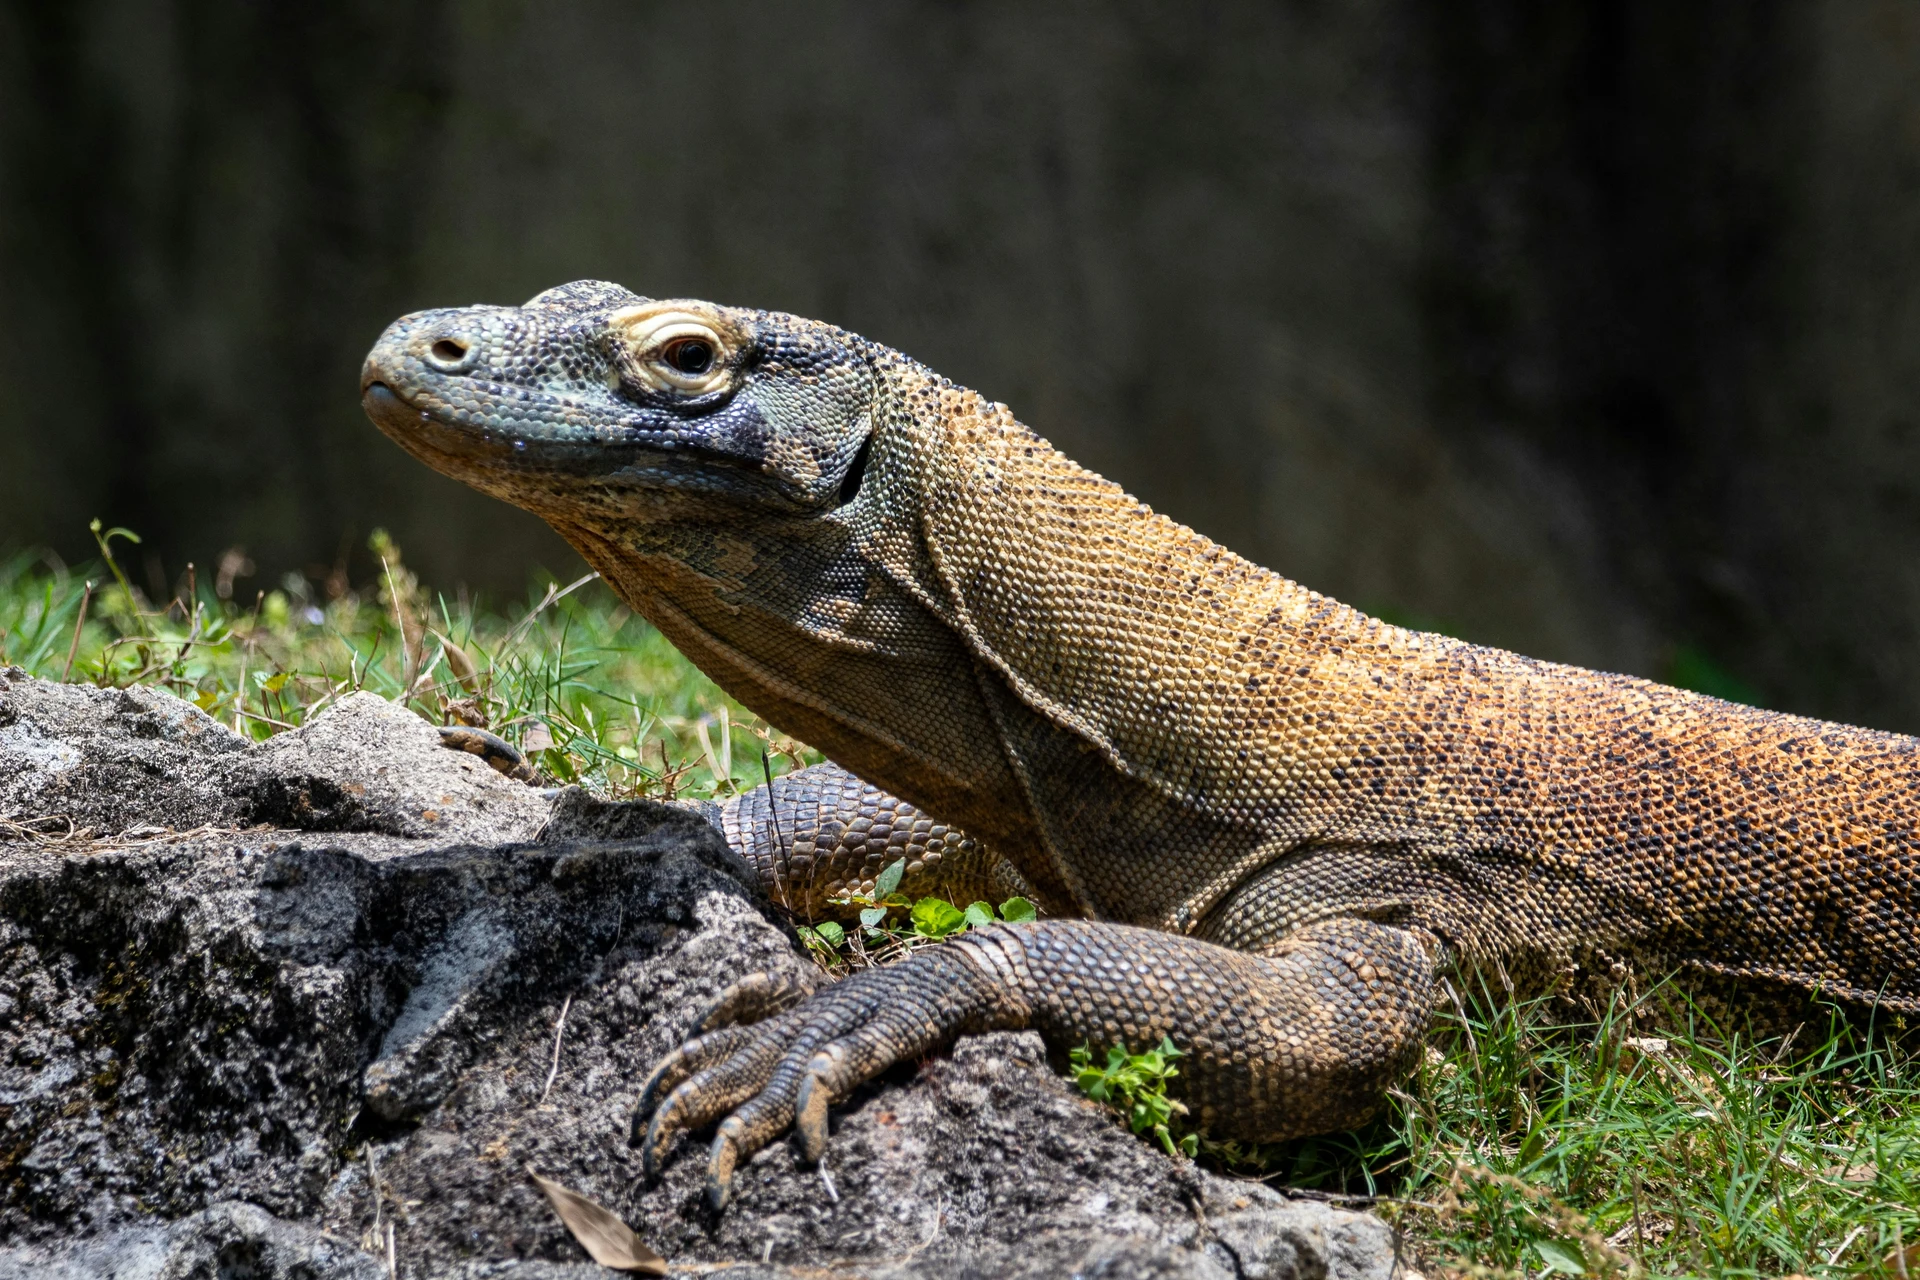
{"x":1257,"y":821}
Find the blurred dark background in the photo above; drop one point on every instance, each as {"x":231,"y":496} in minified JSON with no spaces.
{"x":1587,"y":329}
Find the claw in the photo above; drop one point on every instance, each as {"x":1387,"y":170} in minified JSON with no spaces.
{"x":653,"y":1148}
{"x":810,"y":1110}
{"x":721,"y":1159}
{"x":643,"y":1111}
{"x":693,"y":1056}
{"x":760,"y":1120}
{"x":669,"y":1120}
{"x":755,"y":998}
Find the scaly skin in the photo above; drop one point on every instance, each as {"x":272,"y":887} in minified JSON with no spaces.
{"x":1276,"y":820}
{"x":820,"y":834}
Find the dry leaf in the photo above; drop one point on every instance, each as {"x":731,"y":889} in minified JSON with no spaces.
{"x":460,"y":664}
{"x":1855,"y":1173}
{"x":600,"y":1232}
{"x":1903,"y":1263}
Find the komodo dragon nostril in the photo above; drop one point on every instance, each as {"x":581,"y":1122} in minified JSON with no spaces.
{"x":450,"y":354}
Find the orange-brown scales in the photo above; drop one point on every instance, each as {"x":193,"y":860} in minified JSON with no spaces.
{"x":1258,"y":821}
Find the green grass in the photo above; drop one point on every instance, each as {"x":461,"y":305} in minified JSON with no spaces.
{"x":593,"y":694}
{"x":1528,"y":1145}
{"x":1521,"y":1146}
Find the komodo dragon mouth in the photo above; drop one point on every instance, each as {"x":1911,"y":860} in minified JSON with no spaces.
{"x":1258,"y":822}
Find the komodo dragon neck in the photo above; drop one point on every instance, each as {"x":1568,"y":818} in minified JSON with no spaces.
{"x":1155,"y":729}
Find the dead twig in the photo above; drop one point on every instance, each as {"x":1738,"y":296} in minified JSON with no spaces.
{"x":29,"y":829}
{"x":1833,"y":1259}
{"x":373,"y":1185}
{"x":552,"y":596}
{"x":559,"y":1030}
{"x":79,"y":621}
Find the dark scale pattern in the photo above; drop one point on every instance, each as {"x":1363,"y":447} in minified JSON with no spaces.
{"x":1282,"y":792}
{"x":1301,"y":1039}
{"x":821,"y":834}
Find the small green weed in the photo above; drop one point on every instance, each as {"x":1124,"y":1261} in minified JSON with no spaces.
{"x":1135,"y":1086}
{"x":892,"y":926}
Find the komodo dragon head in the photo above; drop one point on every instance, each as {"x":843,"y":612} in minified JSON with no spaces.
{"x":592,"y":404}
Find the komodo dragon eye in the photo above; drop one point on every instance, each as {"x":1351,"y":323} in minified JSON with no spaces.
{"x":670,"y":347}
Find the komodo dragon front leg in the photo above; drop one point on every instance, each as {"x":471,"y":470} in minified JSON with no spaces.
{"x":1294,"y":1036}
{"x":1299,"y":1037}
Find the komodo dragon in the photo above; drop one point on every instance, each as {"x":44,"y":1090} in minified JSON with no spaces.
{"x":1257,"y":821}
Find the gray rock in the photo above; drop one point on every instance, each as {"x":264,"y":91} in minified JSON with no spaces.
{"x":366,"y":765}
{"x":113,"y":760}
{"x":255,"y":1050}
{"x":110,"y":759}
{"x":225,"y":1241}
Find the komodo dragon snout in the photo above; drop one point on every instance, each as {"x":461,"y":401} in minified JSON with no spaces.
{"x":1258,"y":822}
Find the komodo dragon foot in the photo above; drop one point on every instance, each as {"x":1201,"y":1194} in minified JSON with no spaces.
{"x":1301,"y":1039}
